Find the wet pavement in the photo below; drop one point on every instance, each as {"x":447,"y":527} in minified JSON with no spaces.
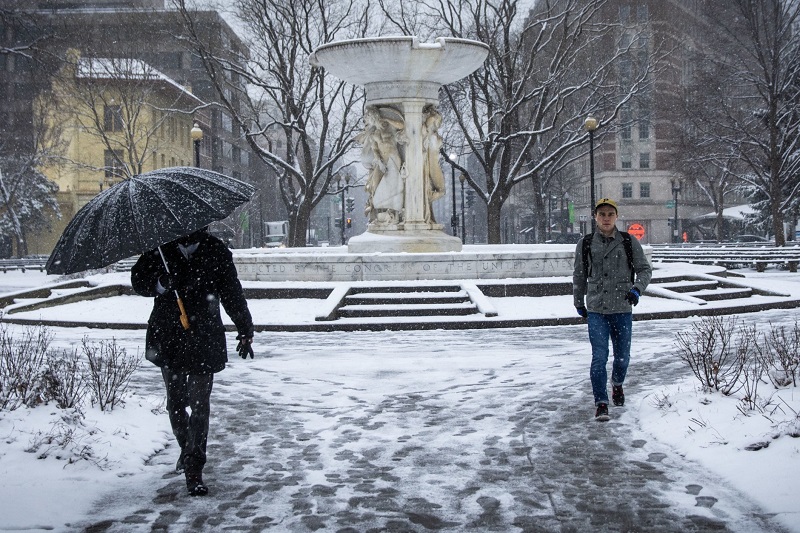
{"x":488,"y":430}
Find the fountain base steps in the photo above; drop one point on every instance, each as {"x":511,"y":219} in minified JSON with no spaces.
{"x":408,"y":301}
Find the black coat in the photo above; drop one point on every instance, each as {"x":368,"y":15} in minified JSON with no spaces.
{"x":207,"y":279}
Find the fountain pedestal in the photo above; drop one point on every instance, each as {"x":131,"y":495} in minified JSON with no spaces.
{"x":402,"y":78}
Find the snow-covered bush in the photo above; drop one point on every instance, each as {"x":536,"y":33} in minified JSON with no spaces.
{"x":110,"y":372}
{"x":729,"y":357}
{"x":32,"y":374}
{"x":65,"y":379}
{"x":23,"y":362}
{"x":710,"y":350}
{"x":783,"y":355}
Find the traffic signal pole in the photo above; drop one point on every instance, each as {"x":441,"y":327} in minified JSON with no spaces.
{"x":344,"y":190}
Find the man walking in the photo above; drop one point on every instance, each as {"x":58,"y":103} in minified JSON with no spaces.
{"x":611,"y":272}
{"x":201,"y":277}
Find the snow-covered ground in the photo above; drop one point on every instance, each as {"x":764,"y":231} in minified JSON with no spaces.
{"x":110,"y":455}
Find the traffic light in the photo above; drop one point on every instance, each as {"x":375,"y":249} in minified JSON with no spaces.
{"x":351,"y":204}
{"x":349,"y":222}
{"x":338,"y":222}
{"x":470,"y":198}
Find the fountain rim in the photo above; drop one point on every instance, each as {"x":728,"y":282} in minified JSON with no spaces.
{"x":439,"y":43}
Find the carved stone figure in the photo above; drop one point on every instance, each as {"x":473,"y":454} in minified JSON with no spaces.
{"x":431,"y":171}
{"x":382,"y":155}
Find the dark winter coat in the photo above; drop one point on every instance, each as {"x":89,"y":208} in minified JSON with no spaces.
{"x":206,"y":280}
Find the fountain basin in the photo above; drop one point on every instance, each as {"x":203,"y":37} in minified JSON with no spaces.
{"x":400,"y":67}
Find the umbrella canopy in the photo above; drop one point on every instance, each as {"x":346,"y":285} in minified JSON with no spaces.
{"x":142,"y":213}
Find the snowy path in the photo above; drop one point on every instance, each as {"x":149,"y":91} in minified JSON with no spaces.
{"x":429,"y":431}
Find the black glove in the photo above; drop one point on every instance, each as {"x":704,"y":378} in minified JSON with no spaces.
{"x":582,"y":311}
{"x":633,"y":296}
{"x":170,"y":282}
{"x":245,"y":346}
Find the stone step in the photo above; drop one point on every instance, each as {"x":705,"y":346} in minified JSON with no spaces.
{"x":362,"y":311}
{"x":690,"y":285}
{"x":422,"y":297}
{"x":394,"y":289}
{"x":728,"y":293}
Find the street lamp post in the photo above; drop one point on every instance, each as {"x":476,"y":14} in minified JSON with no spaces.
{"x":462,"y":178}
{"x":591,"y":124}
{"x":454,"y":218}
{"x":343,"y":190}
{"x":677,"y":185}
{"x":197,"y":136}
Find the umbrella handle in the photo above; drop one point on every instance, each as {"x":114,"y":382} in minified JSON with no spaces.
{"x":184,"y":316}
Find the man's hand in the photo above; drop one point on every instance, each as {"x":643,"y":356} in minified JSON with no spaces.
{"x":633,"y":296}
{"x":582,"y":311}
{"x":245,"y":346}
{"x":169,"y":282}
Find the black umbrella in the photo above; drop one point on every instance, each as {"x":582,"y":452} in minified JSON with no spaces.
{"x":142,"y":213}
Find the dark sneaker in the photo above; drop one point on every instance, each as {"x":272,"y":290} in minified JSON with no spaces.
{"x":617,"y":396}
{"x":194,"y":482}
{"x":601,"y":415}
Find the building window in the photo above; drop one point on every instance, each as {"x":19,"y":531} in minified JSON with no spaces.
{"x":626,"y":160}
{"x":644,"y":129}
{"x":642,"y":13}
{"x":624,"y":14}
{"x":644,"y":189}
{"x":112,"y":118}
{"x":644,"y":160}
{"x":627,"y":190}
{"x":625,"y":132}
{"x":114,"y":167}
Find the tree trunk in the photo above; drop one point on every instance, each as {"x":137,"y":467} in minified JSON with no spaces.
{"x":493,"y":212}
{"x":22,"y":245}
{"x":777,"y":227}
{"x":541,"y":218}
{"x":298,"y":225}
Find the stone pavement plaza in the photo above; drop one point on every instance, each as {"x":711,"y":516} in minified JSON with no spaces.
{"x":476,"y":430}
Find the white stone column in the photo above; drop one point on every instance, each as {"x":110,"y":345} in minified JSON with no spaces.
{"x":415,"y":184}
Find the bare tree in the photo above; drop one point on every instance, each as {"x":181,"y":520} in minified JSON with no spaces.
{"x":521,"y":116}
{"x":757,"y":100}
{"x":27,"y":198}
{"x":300,"y":121}
{"x":713,"y":165}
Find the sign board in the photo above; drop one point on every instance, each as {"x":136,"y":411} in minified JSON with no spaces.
{"x":637,"y":230}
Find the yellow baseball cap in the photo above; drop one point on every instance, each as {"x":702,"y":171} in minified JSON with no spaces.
{"x":606,"y":201}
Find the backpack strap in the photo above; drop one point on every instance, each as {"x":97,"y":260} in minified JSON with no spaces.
{"x":626,"y":241}
{"x":586,"y":251}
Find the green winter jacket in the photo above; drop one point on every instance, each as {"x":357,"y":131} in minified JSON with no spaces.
{"x":609,"y":279}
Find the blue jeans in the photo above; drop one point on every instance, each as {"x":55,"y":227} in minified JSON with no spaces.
{"x":618,"y":326}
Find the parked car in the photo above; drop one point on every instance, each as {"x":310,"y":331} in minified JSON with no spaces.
{"x":749,"y":238}
{"x":565,"y":238}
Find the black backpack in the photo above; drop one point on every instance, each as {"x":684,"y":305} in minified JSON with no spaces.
{"x":586,"y":251}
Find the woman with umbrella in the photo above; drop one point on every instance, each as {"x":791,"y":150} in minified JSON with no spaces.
{"x":202,"y":272}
